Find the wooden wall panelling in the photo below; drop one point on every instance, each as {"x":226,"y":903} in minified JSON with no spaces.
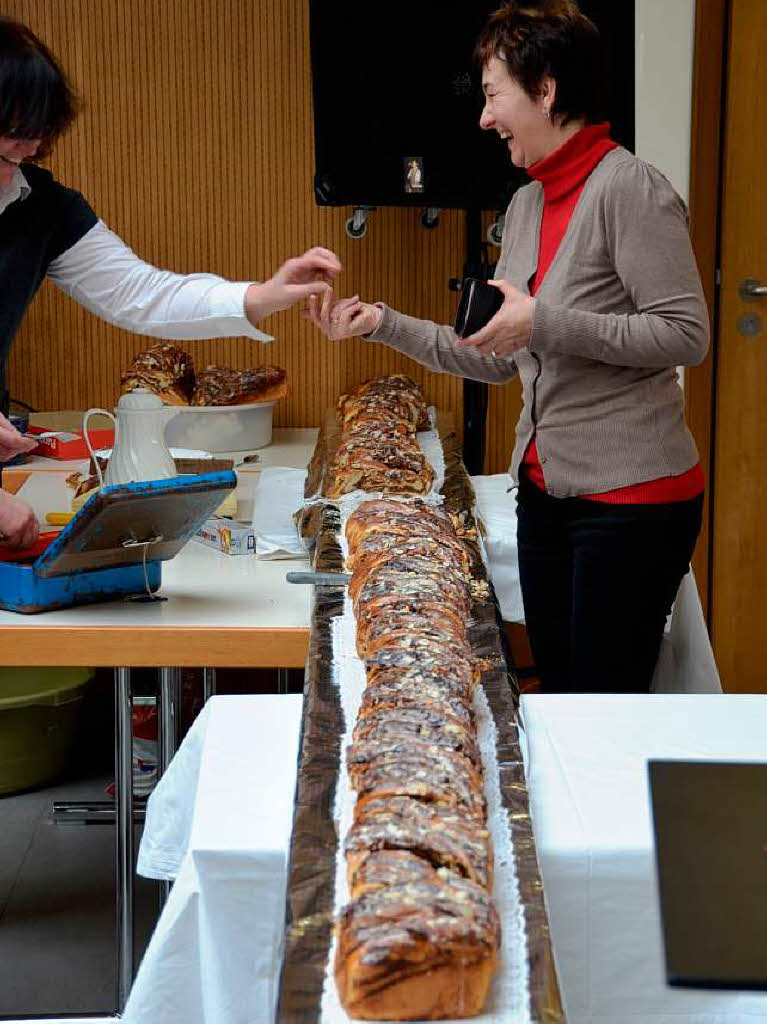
{"x":195,"y":146}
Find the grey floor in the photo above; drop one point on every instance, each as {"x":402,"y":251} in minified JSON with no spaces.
{"x":57,"y":906}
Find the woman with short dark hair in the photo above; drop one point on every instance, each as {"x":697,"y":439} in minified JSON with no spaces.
{"x":535,"y":42}
{"x":36,"y":99}
{"x":49,"y":230}
{"x":601,"y":302}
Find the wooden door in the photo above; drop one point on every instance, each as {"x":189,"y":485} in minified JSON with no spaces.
{"x":739,"y":592}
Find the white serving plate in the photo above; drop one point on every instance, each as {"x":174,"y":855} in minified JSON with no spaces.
{"x":220,"y":428}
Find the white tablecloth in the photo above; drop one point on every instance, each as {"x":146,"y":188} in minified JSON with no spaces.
{"x":497,"y":508}
{"x":220,"y":822}
{"x":587,"y":774}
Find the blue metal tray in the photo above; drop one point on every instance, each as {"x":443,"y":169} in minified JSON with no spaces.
{"x":114,"y":545}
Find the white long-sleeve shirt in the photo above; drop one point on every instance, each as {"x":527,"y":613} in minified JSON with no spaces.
{"x":103,"y":274}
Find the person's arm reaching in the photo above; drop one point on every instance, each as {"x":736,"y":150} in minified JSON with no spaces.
{"x":430,"y":344}
{"x":104,"y":275}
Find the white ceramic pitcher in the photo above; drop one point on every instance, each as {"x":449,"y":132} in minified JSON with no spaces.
{"x":139,"y":451}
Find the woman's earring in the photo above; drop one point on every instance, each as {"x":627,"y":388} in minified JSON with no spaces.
{"x":547,"y":113}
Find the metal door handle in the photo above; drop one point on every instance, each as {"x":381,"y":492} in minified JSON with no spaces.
{"x":751,"y":289}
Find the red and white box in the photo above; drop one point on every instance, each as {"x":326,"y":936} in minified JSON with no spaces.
{"x":67,"y":444}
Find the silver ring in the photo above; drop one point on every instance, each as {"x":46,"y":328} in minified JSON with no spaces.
{"x":492,"y":353}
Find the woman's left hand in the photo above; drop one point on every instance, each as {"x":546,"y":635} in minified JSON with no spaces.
{"x":510,"y":328}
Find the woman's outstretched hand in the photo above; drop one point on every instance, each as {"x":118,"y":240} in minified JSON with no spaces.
{"x":342,"y":318}
{"x":510,"y":328}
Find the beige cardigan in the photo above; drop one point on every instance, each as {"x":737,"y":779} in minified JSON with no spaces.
{"x":620,"y":307}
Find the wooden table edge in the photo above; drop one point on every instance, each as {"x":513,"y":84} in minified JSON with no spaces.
{"x":154,"y":646}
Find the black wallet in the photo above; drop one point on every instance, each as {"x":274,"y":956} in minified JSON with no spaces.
{"x":479,"y":303}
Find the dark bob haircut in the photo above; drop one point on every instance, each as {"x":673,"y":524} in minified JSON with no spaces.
{"x":36,"y":100}
{"x":552,"y":38}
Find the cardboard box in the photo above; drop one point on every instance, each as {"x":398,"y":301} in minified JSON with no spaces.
{"x":227,"y":535}
{"x":62,"y":444}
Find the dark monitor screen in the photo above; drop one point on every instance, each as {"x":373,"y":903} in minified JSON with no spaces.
{"x":710,"y":821}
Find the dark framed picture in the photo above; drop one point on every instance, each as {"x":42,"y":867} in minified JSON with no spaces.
{"x":415,"y":180}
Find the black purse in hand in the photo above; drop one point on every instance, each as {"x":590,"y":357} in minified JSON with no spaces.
{"x":479,"y":303}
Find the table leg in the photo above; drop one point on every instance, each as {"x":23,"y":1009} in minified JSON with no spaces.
{"x":282,"y":680}
{"x":168,"y":715}
{"x":208,"y":683}
{"x":96,"y":812}
{"x":168,"y":728}
{"x":124,"y":833}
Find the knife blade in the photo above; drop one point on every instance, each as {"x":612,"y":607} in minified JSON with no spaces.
{"x":319,"y":579}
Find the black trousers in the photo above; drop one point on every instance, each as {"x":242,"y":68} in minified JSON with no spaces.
{"x":598,"y":581}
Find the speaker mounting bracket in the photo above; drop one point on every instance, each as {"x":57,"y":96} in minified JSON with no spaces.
{"x":495,"y":230}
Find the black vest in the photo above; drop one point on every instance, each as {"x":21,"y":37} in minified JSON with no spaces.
{"x":33,"y":232}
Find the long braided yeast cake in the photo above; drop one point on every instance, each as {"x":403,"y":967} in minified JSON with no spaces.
{"x":420,"y":936}
{"x":378,"y":450}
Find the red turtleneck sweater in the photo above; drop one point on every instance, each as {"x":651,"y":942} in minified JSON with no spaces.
{"x":563,"y":174}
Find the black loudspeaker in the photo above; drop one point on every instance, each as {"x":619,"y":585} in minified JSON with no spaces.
{"x":397,"y":100}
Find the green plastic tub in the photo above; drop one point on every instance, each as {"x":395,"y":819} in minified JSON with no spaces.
{"x":39,"y":714}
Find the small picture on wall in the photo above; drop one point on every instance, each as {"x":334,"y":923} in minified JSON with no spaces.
{"x":414,"y":176}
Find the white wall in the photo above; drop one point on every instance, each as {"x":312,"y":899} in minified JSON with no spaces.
{"x":665,"y":31}
{"x":664,"y":52}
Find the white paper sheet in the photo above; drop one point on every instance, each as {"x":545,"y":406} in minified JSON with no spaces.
{"x":279,"y":493}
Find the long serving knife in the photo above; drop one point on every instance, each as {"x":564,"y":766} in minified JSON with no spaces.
{"x":319,"y":579}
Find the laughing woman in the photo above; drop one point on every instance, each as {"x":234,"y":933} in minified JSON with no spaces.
{"x":602,"y":301}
